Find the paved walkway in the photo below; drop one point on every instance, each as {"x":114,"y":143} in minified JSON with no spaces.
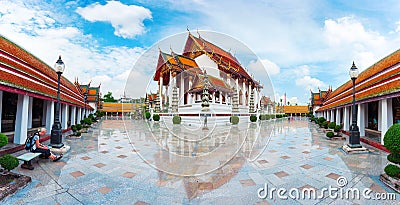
{"x":111,"y":166}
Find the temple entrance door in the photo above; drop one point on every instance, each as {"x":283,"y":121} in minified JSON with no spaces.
{"x":37,"y":112}
{"x":9,"y":111}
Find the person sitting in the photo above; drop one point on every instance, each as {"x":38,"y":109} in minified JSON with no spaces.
{"x":40,"y":148}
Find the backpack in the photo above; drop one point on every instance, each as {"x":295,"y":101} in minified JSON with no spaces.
{"x":29,"y":141}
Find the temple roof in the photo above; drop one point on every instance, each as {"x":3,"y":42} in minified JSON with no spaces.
{"x":380,"y":79}
{"x":174,"y":63}
{"x":216,"y":84}
{"x":196,"y":46}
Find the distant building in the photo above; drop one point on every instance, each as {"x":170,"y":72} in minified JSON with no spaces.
{"x":93,"y":94}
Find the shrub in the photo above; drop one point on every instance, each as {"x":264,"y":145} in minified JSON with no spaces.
{"x":392,"y":139}
{"x":3,"y":140}
{"x":253,"y":118}
{"x":330,"y":134}
{"x":78,"y":127}
{"x":156,"y":117}
{"x":393,"y":171}
{"x":87,"y":121}
{"x":321,"y":120}
{"x":325,"y":124}
{"x":234,"y":120}
{"x":262,"y":117}
{"x":332,"y":125}
{"x":337,"y":128}
{"x":9,"y":162}
{"x":393,"y":158}
{"x":176,"y":119}
{"x":78,"y":133}
{"x":73,"y":128}
{"x":147,"y":115}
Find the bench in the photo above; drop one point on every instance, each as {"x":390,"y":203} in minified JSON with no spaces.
{"x":27,"y":158}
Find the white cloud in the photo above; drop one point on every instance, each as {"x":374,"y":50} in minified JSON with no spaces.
{"x":271,"y":67}
{"x":309,"y":83}
{"x":127,"y":20}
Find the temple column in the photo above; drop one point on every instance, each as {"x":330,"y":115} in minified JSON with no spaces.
{"x":49,"y":115}
{"x":244,"y":93}
{"x":379,"y":115}
{"x":21,"y":120}
{"x":328,"y":115}
{"x":337,"y":116}
{"x":190,"y":87}
{"x":213,"y":97}
{"x":64,"y":118}
{"x":160,"y":83}
{"x":30,"y":112}
{"x":361,"y":119}
{"x":79,"y":115}
{"x":332,"y":115}
{"x":181,"y":90}
{"x":1,"y":106}
{"x":73,"y":112}
{"x":346,"y":121}
{"x":386,"y":116}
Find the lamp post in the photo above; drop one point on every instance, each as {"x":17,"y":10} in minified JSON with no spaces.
{"x":354,"y":140}
{"x":85,"y":98}
{"x":56,"y":135}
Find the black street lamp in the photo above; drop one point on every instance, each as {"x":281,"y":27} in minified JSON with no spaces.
{"x":56,"y":135}
{"x":354,"y":140}
{"x":85,"y":98}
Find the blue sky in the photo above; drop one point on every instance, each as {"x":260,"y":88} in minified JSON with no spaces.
{"x":302,"y":44}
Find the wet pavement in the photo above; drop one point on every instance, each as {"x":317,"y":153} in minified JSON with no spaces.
{"x":157,"y":163}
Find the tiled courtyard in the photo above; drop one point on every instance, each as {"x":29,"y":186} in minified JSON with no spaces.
{"x":111,"y":165}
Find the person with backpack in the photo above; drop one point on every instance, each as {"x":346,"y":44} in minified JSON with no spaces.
{"x":37,"y":147}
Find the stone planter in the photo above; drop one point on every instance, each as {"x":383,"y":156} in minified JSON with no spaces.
{"x":390,"y":182}
{"x":336,"y":138}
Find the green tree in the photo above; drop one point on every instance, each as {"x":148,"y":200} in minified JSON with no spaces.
{"x":109,"y":98}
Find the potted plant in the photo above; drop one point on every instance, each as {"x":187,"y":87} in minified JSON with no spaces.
{"x":176,"y":119}
{"x":253,"y":118}
{"x":330,"y":135}
{"x":147,"y":115}
{"x":8,"y":162}
{"x":234,"y":120}
{"x":156,"y":117}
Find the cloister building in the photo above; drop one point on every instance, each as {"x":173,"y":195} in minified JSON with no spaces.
{"x":377,"y":99}
{"x":28,"y":94}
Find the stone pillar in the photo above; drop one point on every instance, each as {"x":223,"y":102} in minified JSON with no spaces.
{"x":79,"y":115}
{"x":380,"y":115}
{"x":386,"y":116}
{"x":361,"y":119}
{"x":161,"y":81}
{"x":328,"y":115}
{"x":346,"y":120}
{"x":213,"y":97}
{"x":30,"y":112}
{"x":182,"y":90}
{"x":64,"y":119}
{"x":49,"y":115}
{"x":190,"y":100}
{"x":332,"y":115}
{"x":338,"y":116}
{"x":73,"y":112}
{"x":21,"y":121}
{"x":243,"y":93}
{"x":1,"y":106}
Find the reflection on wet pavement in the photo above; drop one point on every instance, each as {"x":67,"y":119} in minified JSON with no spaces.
{"x":148,"y":163}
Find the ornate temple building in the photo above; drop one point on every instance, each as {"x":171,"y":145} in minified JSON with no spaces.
{"x":377,"y":100}
{"x":28,"y":94}
{"x":200,"y":62}
{"x":92,"y":94}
